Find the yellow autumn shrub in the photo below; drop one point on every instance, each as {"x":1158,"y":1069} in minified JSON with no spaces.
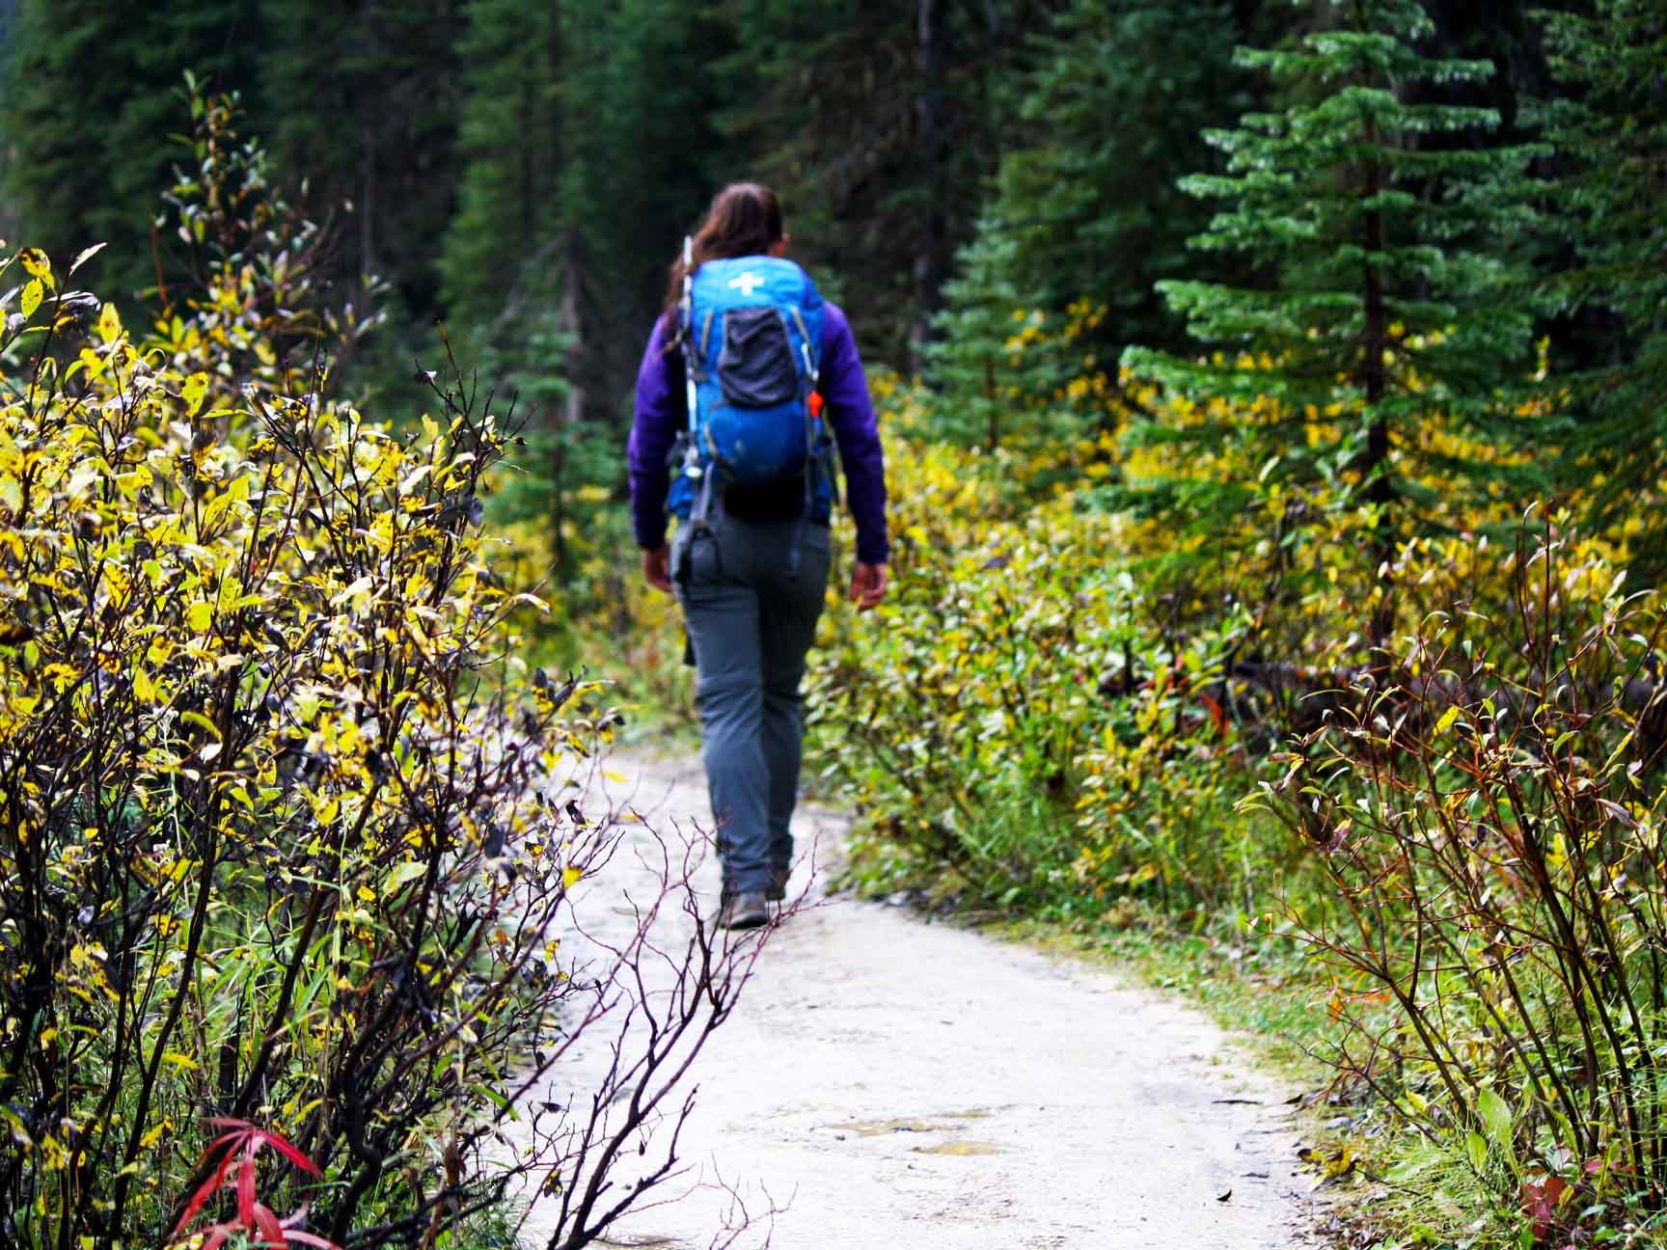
{"x":1069,"y":692}
{"x":283,"y":833}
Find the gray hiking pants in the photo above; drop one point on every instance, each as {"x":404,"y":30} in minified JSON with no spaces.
{"x":751,"y":621}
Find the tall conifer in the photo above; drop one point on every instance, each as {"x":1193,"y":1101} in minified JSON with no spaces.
{"x":512,"y":147}
{"x":1611,"y":136}
{"x":979,"y":374}
{"x":1381,"y":216}
{"x":1110,"y":118}
{"x":362,"y":101}
{"x":93,"y":98}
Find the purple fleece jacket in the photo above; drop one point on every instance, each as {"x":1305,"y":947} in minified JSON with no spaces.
{"x":662,"y":412}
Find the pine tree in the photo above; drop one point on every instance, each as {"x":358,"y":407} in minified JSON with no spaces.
{"x":8,"y":56}
{"x":878,"y":122}
{"x":55,"y":174}
{"x":1376,"y":206}
{"x":362,"y":100}
{"x":588,"y":152}
{"x":992,"y":368}
{"x":508,"y":281}
{"x":1113,"y":115}
{"x":512,"y":148}
{"x":1611,"y":136}
{"x":94,"y":97}
{"x":646,"y":158}
{"x":585,"y":140}
{"x":215,"y":43}
{"x":970,"y":362}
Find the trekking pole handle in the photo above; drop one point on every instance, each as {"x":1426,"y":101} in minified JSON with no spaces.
{"x":692,"y":458}
{"x":688,"y":283}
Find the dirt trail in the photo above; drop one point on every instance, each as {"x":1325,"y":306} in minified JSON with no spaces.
{"x":893,"y":1082}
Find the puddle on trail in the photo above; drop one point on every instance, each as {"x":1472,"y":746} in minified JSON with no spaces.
{"x":949,"y":1122}
{"x":879,"y":1128}
{"x":962,"y":1149}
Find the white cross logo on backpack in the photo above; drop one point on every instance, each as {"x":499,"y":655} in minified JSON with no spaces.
{"x":748,"y":283}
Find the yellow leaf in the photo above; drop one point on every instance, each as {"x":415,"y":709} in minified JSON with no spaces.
{"x":194,"y":391}
{"x":617,"y":778}
{"x":571,"y":875}
{"x":36,"y":264}
{"x":199,"y":616}
{"x":201,"y":721}
{"x":406,"y":870}
{"x":92,"y":362}
{"x":1447,"y":719}
{"x":154,"y":1135}
{"x":33,"y":293}
{"x":144,"y":689}
{"x":109,"y":324}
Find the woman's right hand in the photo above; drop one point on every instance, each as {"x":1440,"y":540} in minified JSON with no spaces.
{"x":656,"y":567}
{"x":868,"y":586}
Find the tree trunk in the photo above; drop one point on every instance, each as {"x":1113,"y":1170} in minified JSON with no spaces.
{"x":932,"y":106}
{"x":1374,"y":467}
{"x":992,"y":435}
{"x":567,"y":418}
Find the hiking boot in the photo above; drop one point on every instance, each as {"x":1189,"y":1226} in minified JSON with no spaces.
{"x":777,"y":889}
{"x":747,"y":910}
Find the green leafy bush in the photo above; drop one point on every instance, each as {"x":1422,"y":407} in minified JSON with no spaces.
{"x":1023,"y":713}
{"x":1491,"y":825}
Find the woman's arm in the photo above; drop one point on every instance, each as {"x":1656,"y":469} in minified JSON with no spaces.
{"x":850,"y":414}
{"x":660,"y":417}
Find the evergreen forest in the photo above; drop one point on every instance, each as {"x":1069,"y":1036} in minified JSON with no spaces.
{"x":1275,"y":405}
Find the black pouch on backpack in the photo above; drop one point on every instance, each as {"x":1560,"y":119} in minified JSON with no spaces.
{"x":756,"y":367}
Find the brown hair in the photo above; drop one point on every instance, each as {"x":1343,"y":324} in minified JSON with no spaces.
{"x":744,"y":220}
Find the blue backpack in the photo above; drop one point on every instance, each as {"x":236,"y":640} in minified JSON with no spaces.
{"x":751,"y":330}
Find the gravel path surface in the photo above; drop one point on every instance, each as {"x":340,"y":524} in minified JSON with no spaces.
{"x":889,"y":1082}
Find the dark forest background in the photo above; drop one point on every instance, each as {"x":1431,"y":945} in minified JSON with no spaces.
{"x":1009,"y":196}
{"x":523,"y":169}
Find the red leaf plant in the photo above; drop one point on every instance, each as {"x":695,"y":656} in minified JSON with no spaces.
{"x":1544,"y":1198}
{"x":1540,"y":1199}
{"x":237,"y":1148}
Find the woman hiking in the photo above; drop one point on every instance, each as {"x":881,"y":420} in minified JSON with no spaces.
{"x":745,"y":372}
